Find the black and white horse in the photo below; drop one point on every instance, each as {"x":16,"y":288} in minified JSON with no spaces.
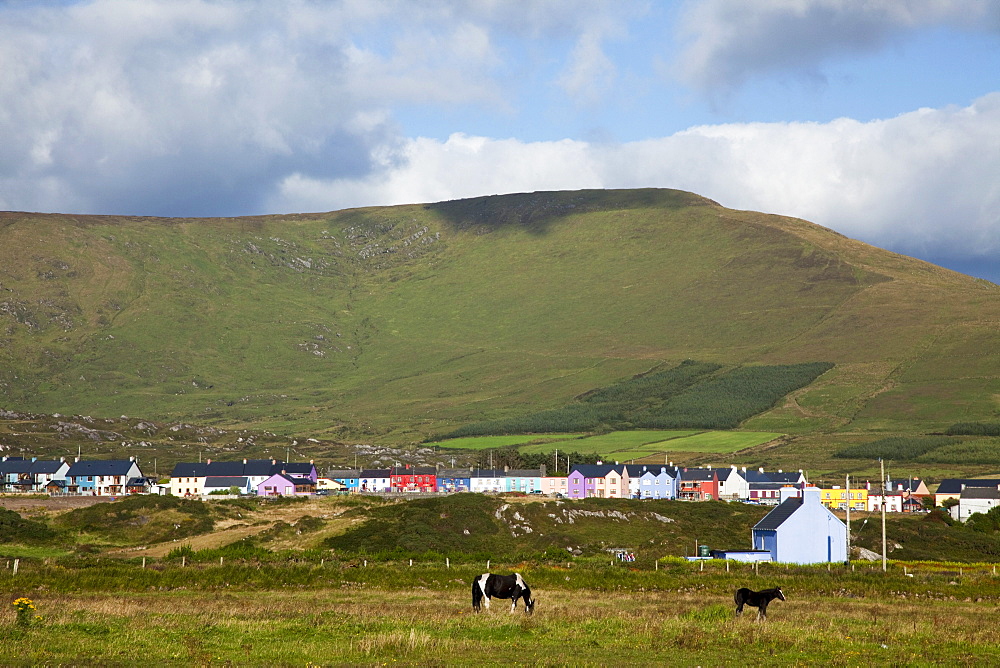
{"x":757,"y":599}
{"x":491,"y":585}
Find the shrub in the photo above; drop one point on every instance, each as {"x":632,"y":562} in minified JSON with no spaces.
{"x":897,"y":448}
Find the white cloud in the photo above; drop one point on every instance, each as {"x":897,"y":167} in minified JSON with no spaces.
{"x":203,"y":107}
{"x":730,"y":41}
{"x":921,"y":183}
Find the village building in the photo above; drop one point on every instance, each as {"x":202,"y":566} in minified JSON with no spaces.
{"x":975,"y":500}
{"x":374,"y":481}
{"x":801,"y":530}
{"x":698,"y":485}
{"x":951,"y":488}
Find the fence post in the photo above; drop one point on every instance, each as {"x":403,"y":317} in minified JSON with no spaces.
{"x":447,"y":562}
{"x":16,"y":563}
{"x":144,"y":562}
{"x":184,"y":560}
{"x":488,"y":566}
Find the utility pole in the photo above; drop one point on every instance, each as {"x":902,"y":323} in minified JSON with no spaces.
{"x":884,"y":499}
{"x":847,"y":486}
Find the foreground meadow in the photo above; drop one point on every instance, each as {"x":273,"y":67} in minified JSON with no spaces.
{"x":587,"y":614}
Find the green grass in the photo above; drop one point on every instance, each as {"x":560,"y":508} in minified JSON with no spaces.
{"x":490,"y":442}
{"x":722,"y":441}
{"x":420,"y":615}
{"x":394,"y":323}
{"x":30,"y":551}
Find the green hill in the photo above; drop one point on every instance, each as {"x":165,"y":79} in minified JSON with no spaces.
{"x":396,"y":323}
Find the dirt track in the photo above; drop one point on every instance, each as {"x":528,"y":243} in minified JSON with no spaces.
{"x":54,"y":504}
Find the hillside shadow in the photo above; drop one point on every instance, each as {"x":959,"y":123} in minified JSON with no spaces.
{"x":535,"y":211}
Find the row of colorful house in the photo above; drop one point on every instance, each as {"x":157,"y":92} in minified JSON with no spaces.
{"x":270,"y":477}
{"x":103,"y":477}
{"x":119,"y":477}
{"x":636,"y":481}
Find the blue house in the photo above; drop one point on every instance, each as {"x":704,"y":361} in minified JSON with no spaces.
{"x":656,"y":482}
{"x":454,"y":480}
{"x":525,"y":480}
{"x":801,"y":530}
{"x":101,"y":477}
{"x":350,"y":478}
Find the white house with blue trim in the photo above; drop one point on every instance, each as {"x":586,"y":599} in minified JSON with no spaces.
{"x":801,"y":530}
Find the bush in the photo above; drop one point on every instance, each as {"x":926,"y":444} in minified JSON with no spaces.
{"x":897,"y":448}
{"x":688,"y":396}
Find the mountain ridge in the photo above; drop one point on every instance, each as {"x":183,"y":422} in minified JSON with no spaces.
{"x":397,"y":322}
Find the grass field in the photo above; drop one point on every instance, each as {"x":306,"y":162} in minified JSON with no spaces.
{"x":389,"y":324}
{"x":622,"y":444}
{"x":586,"y":615}
{"x":490,"y":442}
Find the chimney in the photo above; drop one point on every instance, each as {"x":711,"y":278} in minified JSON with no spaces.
{"x":244,"y":462}
{"x":208,"y":461}
{"x":761,"y":469}
{"x":542,"y":469}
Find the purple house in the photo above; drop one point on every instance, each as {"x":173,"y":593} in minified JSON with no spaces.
{"x":281,"y":484}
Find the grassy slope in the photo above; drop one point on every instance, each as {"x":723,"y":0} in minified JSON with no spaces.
{"x":427,"y":317}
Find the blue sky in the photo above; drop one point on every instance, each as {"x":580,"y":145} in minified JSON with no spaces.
{"x":879,"y":119}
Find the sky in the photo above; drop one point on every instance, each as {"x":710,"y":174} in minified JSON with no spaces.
{"x":879,"y":119}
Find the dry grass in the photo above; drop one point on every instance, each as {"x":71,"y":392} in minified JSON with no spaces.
{"x":358,"y":625}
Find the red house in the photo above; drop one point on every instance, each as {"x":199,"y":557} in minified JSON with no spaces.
{"x":417,"y":479}
{"x":698,"y":485}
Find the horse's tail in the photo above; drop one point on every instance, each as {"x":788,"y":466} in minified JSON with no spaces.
{"x":477,"y":595}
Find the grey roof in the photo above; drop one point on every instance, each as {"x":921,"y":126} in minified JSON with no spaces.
{"x":100,"y":467}
{"x":487,"y":473}
{"x":46,"y":465}
{"x":786,"y":477}
{"x":597,"y":470}
{"x":375,"y":473}
{"x":15,"y":466}
{"x":698,"y":474}
{"x":342,"y":473}
{"x":954,"y":485}
{"x":217,"y":469}
{"x":188,"y":470}
{"x":907,"y":484}
{"x":656,"y":469}
{"x":261,"y":467}
{"x":782,"y":512}
{"x":455,"y":473}
{"x":981,"y":493}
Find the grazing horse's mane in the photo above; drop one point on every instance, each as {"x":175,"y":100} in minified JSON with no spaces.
{"x":757,"y":599}
{"x":491,"y":585}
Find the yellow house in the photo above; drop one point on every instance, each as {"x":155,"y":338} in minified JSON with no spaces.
{"x":835,"y":498}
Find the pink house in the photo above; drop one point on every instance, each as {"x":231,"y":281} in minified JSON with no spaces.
{"x":605,"y":481}
{"x":281,"y":484}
